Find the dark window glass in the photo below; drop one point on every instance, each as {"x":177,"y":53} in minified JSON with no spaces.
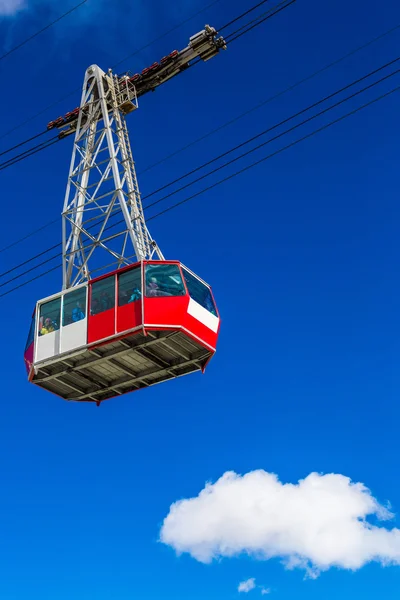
{"x":31,"y":335}
{"x":164,"y":280}
{"x":199,"y":292}
{"x":74,"y":306}
{"x":129,"y":286}
{"x":50,"y":316}
{"x":103,"y":295}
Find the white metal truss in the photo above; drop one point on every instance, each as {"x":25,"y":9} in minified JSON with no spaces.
{"x":102,"y":183}
{"x":102,"y":186}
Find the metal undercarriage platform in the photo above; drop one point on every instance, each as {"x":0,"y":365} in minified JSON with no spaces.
{"x":123,"y":366}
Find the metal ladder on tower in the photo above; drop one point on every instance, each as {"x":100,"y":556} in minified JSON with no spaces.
{"x":146,"y":246}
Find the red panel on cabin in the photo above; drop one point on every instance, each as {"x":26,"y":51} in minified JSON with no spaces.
{"x":129,"y":316}
{"x":200,"y":331}
{"x":101,"y":326}
{"x":165,"y":310}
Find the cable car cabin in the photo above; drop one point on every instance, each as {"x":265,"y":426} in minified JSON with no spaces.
{"x":138,"y":326}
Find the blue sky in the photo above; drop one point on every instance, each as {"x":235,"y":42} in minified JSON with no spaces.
{"x":302,"y":255}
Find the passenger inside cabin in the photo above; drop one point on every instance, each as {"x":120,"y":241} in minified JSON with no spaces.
{"x":77,"y":313}
{"x":48,"y":327}
{"x":154,"y":288}
{"x":136,"y":295}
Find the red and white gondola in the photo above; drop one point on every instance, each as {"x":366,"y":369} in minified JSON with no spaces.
{"x":135,"y":327}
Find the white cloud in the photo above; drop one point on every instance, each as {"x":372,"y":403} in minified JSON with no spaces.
{"x":10,"y":7}
{"x":250,"y":584}
{"x":247,"y":586}
{"x":318,"y":523}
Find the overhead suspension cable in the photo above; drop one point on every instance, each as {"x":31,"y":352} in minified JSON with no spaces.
{"x":29,"y":152}
{"x":309,"y":119}
{"x":247,"y":12}
{"x":45,"y":28}
{"x":34,"y":137}
{"x":272,"y":12}
{"x":280,"y":135}
{"x":270,"y":140}
{"x":217,"y":158}
{"x":166,"y":33}
{"x":265,"y":158}
{"x":236,"y":148}
{"x":269,"y":129}
{"x":309,"y":77}
{"x":32,"y":151}
{"x":29,"y":235}
{"x":258,"y":21}
{"x":131,"y":55}
{"x":65,"y":97}
{"x":271,"y":99}
{"x":236,"y":173}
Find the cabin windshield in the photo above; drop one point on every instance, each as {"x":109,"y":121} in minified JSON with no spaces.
{"x":164,"y":280}
{"x":31,"y":335}
{"x":199,"y":292}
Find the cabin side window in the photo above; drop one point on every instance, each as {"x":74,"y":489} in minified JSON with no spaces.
{"x":199,"y":292}
{"x":31,"y":335}
{"x":49,"y":319}
{"x":164,"y":280}
{"x":74,"y":306}
{"x":130,"y":286}
{"x":103,"y":295}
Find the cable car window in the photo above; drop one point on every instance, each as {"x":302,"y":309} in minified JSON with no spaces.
{"x":74,"y":306}
{"x":31,"y":335}
{"x":103,"y":295}
{"x":129,"y":286}
{"x":50,"y":316}
{"x":199,"y":292}
{"x":164,"y":280}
